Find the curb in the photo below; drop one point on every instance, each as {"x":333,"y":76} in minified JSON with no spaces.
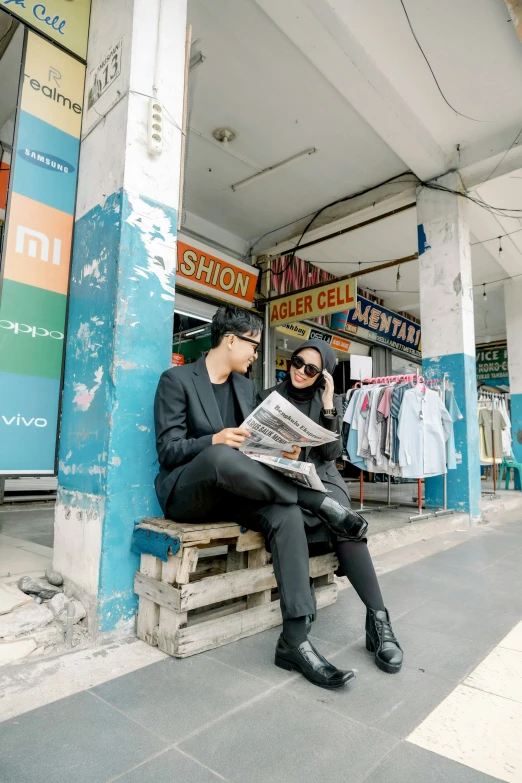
{"x":394,"y":538}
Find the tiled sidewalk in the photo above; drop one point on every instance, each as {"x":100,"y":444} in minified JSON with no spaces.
{"x":231,"y":715}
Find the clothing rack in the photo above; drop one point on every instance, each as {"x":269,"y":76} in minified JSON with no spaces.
{"x":385,"y":380}
{"x":488,"y":396}
{"x":413,"y":378}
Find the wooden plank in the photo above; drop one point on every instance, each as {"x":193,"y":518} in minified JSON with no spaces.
{"x":223,"y":630}
{"x":257,"y":559}
{"x":220,"y":611}
{"x":170,"y":621}
{"x":162,"y":594}
{"x":192,"y":533}
{"x":235,"y":560}
{"x":148,"y":611}
{"x":189,"y":561}
{"x":241,"y":583}
{"x":249,"y":540}
{"x":210,"y":566}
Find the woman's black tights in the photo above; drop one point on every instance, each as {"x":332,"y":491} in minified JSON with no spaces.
{"x":356,"y":563}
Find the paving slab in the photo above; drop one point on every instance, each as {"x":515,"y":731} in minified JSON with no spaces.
{"x":410,"y":764}
{"x":172,"y":766}
{"x":175,"y":698}
{"x":80,"y":739}
{"x":393,"y":703}
{"x":278,"y":739}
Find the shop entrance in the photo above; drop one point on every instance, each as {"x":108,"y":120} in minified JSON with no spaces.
{"x":26,"y":530}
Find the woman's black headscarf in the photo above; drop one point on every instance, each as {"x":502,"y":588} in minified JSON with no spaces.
{"x":329,"y":361}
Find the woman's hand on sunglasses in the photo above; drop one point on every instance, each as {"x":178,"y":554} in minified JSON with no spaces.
{"x":328,"y":393}
{"x":292,"y":454}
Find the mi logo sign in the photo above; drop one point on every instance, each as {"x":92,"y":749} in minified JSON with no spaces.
{"x":37,"y":245}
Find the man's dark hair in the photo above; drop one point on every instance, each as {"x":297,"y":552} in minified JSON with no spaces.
{"x":233,"y":320}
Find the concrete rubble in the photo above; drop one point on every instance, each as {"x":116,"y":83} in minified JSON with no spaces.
{"x":39,"y":587}
{"x":47,"y":622}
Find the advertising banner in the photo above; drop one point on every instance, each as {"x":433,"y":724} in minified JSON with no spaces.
{"x":324,"y":299}
{"x":37,"y":254}
{"x":492,"y":365}
{"x":373,"y":322}
{"x":65,"y":22}
{"x":200,"y":269}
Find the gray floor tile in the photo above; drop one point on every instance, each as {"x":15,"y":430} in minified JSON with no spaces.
{"x":175,"y":697}
{"x":439,"y":654}
{"x":255,"y":655}
{"x":78,"y":739}
{"x":403,"y":592}
{"x":411,"y":764}
{"x":287,"y":743}
{"x":171,"y":767}
{"x":34,"y":524}
{"x":463,"y":621}
{"x":502,"y":595}
{"x":342,"y":623}
{"x":474,"y":555}
{"x":393,"y":703}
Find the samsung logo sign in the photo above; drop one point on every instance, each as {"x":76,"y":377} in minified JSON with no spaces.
{"x":46,"y":161}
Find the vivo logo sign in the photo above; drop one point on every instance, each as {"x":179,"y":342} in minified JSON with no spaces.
{"x":20,"y":421}
{"x":34,"y":331}
{"x":37,"y":244}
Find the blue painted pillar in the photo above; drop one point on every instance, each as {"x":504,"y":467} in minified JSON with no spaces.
{"x":121,"y":306}
{"x":513,"y":307}
{"x":448,"y":333}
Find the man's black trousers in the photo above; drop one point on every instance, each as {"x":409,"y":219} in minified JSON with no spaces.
{"x":223,"y":483}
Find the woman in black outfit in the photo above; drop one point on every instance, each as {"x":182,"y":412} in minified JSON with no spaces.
{"x":310,"y":387}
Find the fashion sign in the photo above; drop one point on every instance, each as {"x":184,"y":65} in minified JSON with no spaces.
{"x":202,"y":270}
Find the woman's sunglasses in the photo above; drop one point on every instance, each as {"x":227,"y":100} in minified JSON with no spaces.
{"x":310,"y":370}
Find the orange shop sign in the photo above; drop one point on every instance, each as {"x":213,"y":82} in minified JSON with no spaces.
{"x":321,"y":300}
{"x":340,"y":344}
{"x":200,"y":269}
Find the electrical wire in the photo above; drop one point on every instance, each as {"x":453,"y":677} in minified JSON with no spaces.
{"x":498,"y":236}
{"x":433,"y":72}
{"x":503,"y":156}
{"x":475,"y":285}
{"x":314,"y":217}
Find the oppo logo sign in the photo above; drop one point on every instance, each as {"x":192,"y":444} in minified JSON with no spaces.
{"x":20,"y":421}
{"x":34,"y":331}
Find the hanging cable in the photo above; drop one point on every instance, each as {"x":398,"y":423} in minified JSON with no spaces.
{"x":433,"y":73}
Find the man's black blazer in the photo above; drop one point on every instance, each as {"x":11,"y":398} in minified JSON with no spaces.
{"x":186,"y":416}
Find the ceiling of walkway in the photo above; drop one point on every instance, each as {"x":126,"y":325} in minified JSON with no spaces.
{"x":349,"y":80}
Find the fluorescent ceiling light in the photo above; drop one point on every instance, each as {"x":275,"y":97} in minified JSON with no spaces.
{"x":275,"y":167}
{"x":192,"y":332}
{"x":193,"y":315}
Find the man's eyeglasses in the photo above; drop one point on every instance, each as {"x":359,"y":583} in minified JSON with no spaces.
{"x":245,"y":340}
{"x":310,"y":370}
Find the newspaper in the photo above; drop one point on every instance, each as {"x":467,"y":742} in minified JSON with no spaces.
{"x":275,"y":426}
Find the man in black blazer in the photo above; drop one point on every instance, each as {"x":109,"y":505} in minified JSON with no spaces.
{"x":198,"y":411}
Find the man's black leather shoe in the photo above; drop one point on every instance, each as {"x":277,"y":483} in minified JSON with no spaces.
{"x":343,"y":521}
{"x":381,"y":640}
{"x":311,"y":664}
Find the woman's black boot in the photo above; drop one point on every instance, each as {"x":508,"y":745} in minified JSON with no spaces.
{"x":381,"y":640}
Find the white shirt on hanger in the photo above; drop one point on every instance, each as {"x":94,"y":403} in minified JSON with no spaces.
{"x":424,"y":427}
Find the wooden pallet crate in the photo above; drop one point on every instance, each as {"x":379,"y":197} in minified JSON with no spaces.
{"x":215,"y":587}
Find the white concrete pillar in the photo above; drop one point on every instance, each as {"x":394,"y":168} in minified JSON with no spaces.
{"x":512,"y":303}
{"x":121,"y":300}
{"x":448,"y":332}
